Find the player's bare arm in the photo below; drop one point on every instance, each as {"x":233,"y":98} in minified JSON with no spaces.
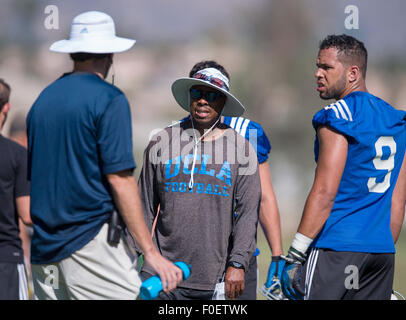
{"x":333,"y":149}
{"x":269,"y":214}
{"x":23,"y":210}
{"x":330,"y":167}
{"x":125,"y":193}
{"x":398,"y":203}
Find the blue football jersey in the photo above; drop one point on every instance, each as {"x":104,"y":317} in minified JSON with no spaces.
{"x":376,"y":133}
{"x":253,"y":132}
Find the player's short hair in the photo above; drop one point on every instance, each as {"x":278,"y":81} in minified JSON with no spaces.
{"x":4,"y":93}
{"x":350,"y":50}
{"x":208,"y":64}
{"x":83,"y":56}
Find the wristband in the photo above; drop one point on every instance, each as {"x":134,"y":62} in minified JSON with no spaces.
{"x":301,"y":243}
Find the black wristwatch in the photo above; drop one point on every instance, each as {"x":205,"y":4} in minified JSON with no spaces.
{"x":236,"y":265}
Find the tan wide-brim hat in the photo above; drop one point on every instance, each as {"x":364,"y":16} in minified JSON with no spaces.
{"x":92,"y":32}
{"x":209,"y":77}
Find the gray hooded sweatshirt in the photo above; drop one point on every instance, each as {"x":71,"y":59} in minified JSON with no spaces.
{"x":208,"y":201}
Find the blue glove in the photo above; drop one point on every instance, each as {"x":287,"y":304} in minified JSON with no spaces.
{"x":291,"y":275}
{"x":272,"y":287}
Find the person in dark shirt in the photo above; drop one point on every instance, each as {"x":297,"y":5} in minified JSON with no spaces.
{"x":80,"y":163}
{"x":14,"y":205}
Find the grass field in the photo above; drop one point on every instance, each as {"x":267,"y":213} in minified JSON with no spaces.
{"x":400,"y":261}
{"x":265,"y":257}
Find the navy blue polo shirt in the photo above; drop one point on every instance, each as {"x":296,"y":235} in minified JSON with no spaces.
{"x":79,"y":130}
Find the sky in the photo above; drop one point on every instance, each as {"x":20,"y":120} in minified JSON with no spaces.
{"x":154,"y":21}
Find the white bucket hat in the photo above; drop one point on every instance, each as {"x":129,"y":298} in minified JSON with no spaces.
{"x":210,"y":77}
{"x":92,"y":32}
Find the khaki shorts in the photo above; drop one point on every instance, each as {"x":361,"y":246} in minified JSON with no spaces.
{"x":98,"y":271}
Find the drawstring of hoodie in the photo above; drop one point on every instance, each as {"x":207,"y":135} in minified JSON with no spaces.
{"x":196,"y":142}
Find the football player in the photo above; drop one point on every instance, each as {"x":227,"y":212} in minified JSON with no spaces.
{"x":354,"y":212}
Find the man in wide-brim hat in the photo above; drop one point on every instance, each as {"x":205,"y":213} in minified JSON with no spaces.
{"x":80,"y":166}
{"x":196,"y":175}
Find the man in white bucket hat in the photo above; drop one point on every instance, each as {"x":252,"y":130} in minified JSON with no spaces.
{"x":196,"y":174}
{"x":80,"y":166}
{"x":269,"y":214}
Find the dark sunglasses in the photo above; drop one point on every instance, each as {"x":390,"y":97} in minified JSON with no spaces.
{"x":209,"y":96}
